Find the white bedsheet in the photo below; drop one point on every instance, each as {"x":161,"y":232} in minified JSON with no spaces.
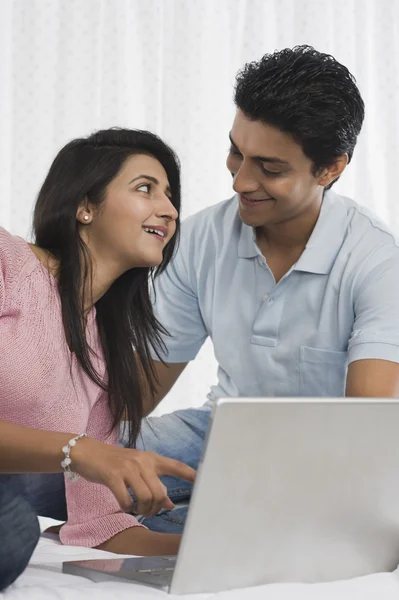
{"x":43,"y":580}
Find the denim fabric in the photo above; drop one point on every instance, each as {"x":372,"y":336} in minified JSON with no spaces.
{"x":171,"y":521}
{"x":179,"y":435}
{"x":45,"y":492}
{"x":19,"y":534}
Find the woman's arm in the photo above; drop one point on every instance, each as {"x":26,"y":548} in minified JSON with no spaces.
{"x":141,"y":541}
{"x":27,"y":450}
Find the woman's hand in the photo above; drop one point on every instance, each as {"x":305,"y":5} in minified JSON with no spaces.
{"x":122,"y":468}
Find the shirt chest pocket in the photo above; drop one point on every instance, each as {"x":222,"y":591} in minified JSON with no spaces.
{"x":322,"y":372}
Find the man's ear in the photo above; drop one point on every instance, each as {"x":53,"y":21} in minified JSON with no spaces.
{"x":329,"y":174}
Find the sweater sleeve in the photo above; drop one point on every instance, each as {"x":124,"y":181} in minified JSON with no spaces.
{"x":94,"y":515}
{"x":2,"y":277}
{"x":13,"y":255}
{"x":5,"y":264}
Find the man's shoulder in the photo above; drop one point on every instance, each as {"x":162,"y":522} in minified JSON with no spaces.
{"x":364,"y":226}
{"x":370,"y":247}
{"x":222,"y":214}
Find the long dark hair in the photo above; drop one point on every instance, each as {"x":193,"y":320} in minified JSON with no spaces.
{"x":127,"y":326}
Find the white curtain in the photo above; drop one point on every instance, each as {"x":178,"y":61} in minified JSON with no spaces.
{"x":69,"y":67}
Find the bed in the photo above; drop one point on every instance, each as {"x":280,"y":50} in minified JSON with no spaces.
{"x":43,"y":580}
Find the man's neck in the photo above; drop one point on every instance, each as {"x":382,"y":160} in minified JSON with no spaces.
{"x":289,"y":236}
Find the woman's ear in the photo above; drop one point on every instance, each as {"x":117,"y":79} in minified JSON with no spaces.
{"x":85,"y":213}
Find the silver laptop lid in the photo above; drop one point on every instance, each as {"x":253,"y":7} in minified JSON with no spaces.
{"x":293,"y":490}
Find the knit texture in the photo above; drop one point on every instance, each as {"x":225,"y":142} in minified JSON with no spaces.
{"x":43,"y":386}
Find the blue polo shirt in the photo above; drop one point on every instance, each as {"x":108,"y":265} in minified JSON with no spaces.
{"x":339,"y":303}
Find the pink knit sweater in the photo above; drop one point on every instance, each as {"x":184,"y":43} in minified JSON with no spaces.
{"x":42,"y":385}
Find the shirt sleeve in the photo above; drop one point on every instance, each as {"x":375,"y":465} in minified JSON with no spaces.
{"x":375,"y":333}
{"x":94,"y":515}
{"x":176,"y":306}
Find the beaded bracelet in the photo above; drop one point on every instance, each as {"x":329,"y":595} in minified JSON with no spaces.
{"x":66,"y":463}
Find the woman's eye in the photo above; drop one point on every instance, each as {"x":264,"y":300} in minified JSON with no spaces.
{"x":144,"y":185}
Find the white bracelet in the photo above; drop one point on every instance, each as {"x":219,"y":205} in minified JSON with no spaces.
{"x":66,"y":463}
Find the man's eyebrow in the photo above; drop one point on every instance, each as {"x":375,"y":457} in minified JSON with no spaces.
{"x":150,"y":178}
{"x":267,"y":159}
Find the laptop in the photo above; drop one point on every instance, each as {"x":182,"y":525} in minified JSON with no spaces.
{"x":303,"y":490}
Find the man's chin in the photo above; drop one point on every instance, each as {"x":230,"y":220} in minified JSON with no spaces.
{"x":253,"y":221}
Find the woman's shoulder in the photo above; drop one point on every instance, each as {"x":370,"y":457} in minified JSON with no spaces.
{"x":6,"y":238}
{"x":14,"y":256}
{"x":14,"y":253}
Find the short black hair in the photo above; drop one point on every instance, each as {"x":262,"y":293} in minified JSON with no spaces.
{"x":307,"y":94}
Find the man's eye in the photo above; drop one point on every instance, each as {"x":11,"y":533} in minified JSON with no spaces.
{"x":271,"y":173}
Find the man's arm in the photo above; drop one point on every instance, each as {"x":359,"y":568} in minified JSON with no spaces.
{"x":167,"y":375}
{"x":373,"y":348}
{"x":177,"y":307}
{"x":373,"y":378}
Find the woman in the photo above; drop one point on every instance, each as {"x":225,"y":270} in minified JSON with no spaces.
{"x":76,"y":330}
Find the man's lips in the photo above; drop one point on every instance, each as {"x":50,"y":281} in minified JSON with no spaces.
{"x":248,"y":202}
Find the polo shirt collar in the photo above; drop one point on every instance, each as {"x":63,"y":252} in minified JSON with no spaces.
{"x":327,"y":237}
{"x":323,"y":245}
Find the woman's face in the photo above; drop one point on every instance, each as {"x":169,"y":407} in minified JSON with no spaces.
{"x":137,"y":201}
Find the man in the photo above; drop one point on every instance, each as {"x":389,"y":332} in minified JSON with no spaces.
{"x":297,"y":286}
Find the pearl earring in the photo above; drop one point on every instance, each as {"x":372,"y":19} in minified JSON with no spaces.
{"x":86,"y":218}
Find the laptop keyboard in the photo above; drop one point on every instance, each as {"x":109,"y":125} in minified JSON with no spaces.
{"x":158,"y":571}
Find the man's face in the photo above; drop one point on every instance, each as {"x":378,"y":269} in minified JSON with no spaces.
{"x":271,"y":174}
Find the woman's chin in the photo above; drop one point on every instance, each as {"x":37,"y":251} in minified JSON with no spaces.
{"x":149,"y":260}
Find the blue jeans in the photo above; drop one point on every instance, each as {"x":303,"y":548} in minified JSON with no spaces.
{"x":19,"y":534}
{"x":45,"y":492}
{"x":179,"y":435}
